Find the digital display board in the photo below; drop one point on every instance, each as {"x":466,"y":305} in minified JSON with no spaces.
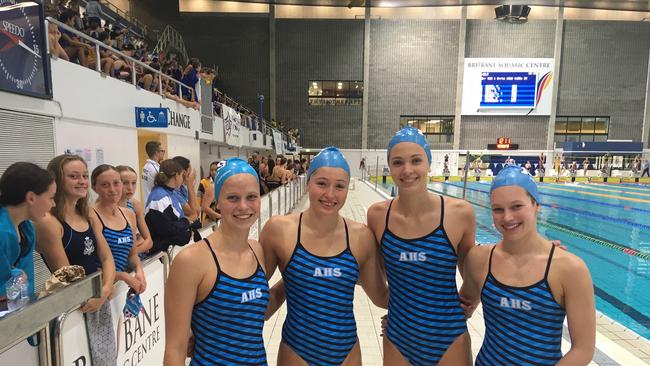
{"x":508,"y":89}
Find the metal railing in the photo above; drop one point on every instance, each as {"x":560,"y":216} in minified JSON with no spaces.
{"x":36,"y":317}
{"x":171,"y":38}
{"x":127,"y":16}
{"x":133,"y":62}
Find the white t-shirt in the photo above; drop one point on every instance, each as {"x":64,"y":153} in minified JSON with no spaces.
{"x":149,"y":171}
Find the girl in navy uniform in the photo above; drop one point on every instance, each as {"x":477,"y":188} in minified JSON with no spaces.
{"x":119,"y":226}
{"x":217,"y":288}
{"x":423,"y":238}
{"x":322,"y":256}
{"x":72,"y":234}
{"x":527,"y":287}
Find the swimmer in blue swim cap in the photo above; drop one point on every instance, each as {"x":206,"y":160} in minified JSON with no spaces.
{"x":330,"y":157}
{"x":323,"y":256}
{"x":427,"y":236}
{"x":515,"y":176}
{"x":221,"y":272}
{"x":524,"y":278}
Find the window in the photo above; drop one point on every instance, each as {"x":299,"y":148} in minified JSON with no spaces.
{"x":435,"y":128}
{"x":339,"y":92}
{"x":581,"y":128}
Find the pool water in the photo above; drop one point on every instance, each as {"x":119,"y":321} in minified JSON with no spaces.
{"x":608,"y":226}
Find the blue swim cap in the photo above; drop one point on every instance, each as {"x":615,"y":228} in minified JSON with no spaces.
{"x":229,"y":167}
{"x":328,"y":157}
{"x":514,"y":176}
{"x":410,"y":134}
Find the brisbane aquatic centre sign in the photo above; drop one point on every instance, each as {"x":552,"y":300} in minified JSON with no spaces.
{"x":507,"y":86}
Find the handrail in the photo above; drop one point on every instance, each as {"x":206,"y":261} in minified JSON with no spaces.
{"x":24,"y":322}
{"x":126,"y":16}
{"x":134,"y":62}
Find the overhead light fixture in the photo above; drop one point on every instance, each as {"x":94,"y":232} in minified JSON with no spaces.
{"x":512,"y":13}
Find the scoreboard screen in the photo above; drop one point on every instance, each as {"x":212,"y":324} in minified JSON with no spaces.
{"x":508,"y":89}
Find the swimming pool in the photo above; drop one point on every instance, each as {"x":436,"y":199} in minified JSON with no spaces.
{"x":608,"y":226}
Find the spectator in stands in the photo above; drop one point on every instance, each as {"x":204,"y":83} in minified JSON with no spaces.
{"x":129,"y":183}
{"x":164,"y":212}
{"x":119,"y":226}
{"x":94,"y":15}
{"x":645,"y":167}
{"x":26,"y":194}
{"x":186,"y":192}
{"x":106,"y":61}
{"x":206,"y":192}
{"x":190,"y":78}
{"x":73,"y":46}
{"x":71,"y":235}
{"x":54,"y":36}
{"x":151,"y":167}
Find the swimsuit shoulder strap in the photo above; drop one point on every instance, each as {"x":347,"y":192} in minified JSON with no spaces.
{"x":442,"y":210}
{"x":100,"y":218}
{"x":388,"y":213}
{"x":214,"y":255}
{"x":347,"y":236}
{"x":548,"y":264}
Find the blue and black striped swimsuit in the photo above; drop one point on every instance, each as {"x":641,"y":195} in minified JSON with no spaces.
{"x":523,"y":325}
{"x":320,"y":325}
{"x":424,"y":313}
{"x":120,"y":242}
{"x":228,"y":324}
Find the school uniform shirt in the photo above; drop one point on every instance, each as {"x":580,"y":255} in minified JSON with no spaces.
{"x":10,"y":249}
{"x":149,"y":172}
{"x":165,"y":218}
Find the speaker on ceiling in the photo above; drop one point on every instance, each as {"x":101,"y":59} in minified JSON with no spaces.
{"x":502,"y":11}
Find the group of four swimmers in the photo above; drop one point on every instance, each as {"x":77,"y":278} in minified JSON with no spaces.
{"x":405,"y":259}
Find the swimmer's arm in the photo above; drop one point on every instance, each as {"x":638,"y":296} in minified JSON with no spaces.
{"x":146,"y":242}
{"x":470,"y":291}
{"x":48,"y":242}
{"x":468,"y":240}
{"x":581,"y":313}
{"x":371,"y":275}
{"x":276,"y":299}
{"x":180,"y":295}
{"x":271,"y":232}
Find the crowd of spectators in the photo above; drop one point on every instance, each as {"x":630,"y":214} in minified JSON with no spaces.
{"x":92,"y":22}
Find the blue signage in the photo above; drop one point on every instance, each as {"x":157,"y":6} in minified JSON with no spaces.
{"x":151,"y":117}
{"x":508,"y":89}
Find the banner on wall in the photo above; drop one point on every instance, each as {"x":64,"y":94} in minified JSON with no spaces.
{"x":507,"y":86}
{"x":140,"y":340}
{"x":277,"y":141}
{"x":231,"y":125}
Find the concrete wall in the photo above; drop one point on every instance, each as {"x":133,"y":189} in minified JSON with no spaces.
{"x":318,"y":50}
{"x":604,"y":72}
{"x":412,"y":72}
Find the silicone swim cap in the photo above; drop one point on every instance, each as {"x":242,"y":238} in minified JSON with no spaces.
{"x":514,"y":176}
{"x":410,"y":134}
{"x":229,"y":167}
{"x":328,"y":157}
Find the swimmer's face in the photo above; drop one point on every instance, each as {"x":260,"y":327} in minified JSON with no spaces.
{"x":409,"y":166}
{"x":239,"y":201}
{"x":40,"y":204}
{"x":328,"y":190}
{"x":109,"y":186}
{"x":75,"y":179}
{"x":514,"y":212}
{"x":129,"y":183}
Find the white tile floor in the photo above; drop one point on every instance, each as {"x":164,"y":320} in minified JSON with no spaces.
{"x":615,"y":344}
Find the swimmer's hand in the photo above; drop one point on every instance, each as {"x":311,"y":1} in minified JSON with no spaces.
{"x":558,"y":244}
{"x":468,"y":307}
